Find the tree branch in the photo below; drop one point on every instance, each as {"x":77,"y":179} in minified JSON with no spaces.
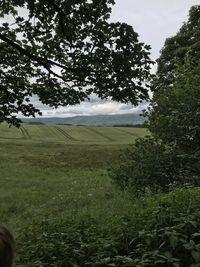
{"x":42,"y":61}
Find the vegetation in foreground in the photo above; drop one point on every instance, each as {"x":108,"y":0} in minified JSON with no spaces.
{"x":60,"y":203}
{"x":159,"y":231}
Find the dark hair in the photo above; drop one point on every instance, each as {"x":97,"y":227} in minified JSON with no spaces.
{"x":7,"y":247}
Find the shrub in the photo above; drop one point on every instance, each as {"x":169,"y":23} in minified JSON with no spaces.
{"x":151,"y":165}
{"x":147,"y":164}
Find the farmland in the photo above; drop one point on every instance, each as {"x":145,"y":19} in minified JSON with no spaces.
{"x":72,"y":134}
{"x":50,"y":171}
{"x":60,"y":173}
{"x":58,"y":199}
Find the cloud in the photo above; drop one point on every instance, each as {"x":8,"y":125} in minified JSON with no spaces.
{"x":154,"y":20}
{"x":95,"y":106}
{"x":88,"y":108}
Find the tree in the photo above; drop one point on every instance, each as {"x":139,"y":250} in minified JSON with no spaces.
{"x":65,"y":50}
{"x":176,"y":48}
{"x":174,"y":113}
{"x":174,"y":116}
{"x":172,"y":154}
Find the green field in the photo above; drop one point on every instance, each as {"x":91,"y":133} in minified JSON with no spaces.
{"x":60,"y":173}
{"x":49,"y":171}
{"x":72,"y":134}
{"x":57,"y":197}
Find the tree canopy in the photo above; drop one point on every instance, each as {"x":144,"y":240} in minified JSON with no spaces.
{"x":65,"y":50}
{"x":177,"y":48}
{"x":174,"y":116}
{"x":174,"y":113}
{"x":172,"y":153}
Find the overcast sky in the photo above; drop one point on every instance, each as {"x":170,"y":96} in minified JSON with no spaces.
{"x":154,"y":21}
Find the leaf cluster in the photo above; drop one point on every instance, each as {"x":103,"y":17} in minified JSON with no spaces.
{"x":64,"y":51}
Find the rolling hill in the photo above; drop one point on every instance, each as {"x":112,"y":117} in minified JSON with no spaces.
{"x":100,"y":120}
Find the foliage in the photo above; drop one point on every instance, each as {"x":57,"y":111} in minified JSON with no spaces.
{"x":170,"y":246}
{"x":173,"y":153}
{"x":60,"y":205}
{"x":63,"y":51}
{"x":150,"y":165}
{"x":164,"y":232}
{"x":174,"y":116}
{"x":176,"y":49}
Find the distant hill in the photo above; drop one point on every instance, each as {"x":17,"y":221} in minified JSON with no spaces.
{"x":100,"y":120}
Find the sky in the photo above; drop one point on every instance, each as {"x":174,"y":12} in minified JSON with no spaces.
{"x":154,"y":21}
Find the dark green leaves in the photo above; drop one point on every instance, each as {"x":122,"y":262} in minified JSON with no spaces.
{"x":72,"y":52}
{"x":177,"y":48}
{"x":172,"y":155}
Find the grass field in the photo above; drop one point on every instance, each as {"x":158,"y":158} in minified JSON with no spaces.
{"x":58,"y":200}
{"x":50,"y":171}
{"x":72,"y":134}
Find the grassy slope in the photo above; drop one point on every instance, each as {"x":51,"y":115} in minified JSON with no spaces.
{"x":128,"y":119}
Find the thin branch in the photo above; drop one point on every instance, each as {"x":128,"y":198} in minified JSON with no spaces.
{"x":42,"y":61}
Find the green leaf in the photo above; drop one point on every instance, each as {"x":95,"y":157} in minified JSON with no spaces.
{"x":173,"y":241}
{"x":196,"y":256}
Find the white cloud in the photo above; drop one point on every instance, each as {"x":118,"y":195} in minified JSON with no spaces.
{"x":97,"y":107}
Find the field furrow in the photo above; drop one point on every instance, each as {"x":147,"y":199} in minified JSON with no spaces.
{"x":25,"y":132}
{"x":80,"y":134}
{"x":105,"y":136}
{"x":7,"y":132}
{"x":64,"y":133}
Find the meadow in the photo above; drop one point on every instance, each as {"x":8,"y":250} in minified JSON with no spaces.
{"x":57,"y":198}
{"x":60,"y":171}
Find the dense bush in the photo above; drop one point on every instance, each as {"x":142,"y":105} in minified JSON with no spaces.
{"x":169,"y":246}
{"x":163,"y":231}
{"x":149,"y":164}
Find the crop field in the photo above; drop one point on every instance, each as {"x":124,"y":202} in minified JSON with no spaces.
{"x":72,"y":134}
{"x":50,"y":171}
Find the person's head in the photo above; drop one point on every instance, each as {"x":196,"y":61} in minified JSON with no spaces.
{"x":7,"y":247}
